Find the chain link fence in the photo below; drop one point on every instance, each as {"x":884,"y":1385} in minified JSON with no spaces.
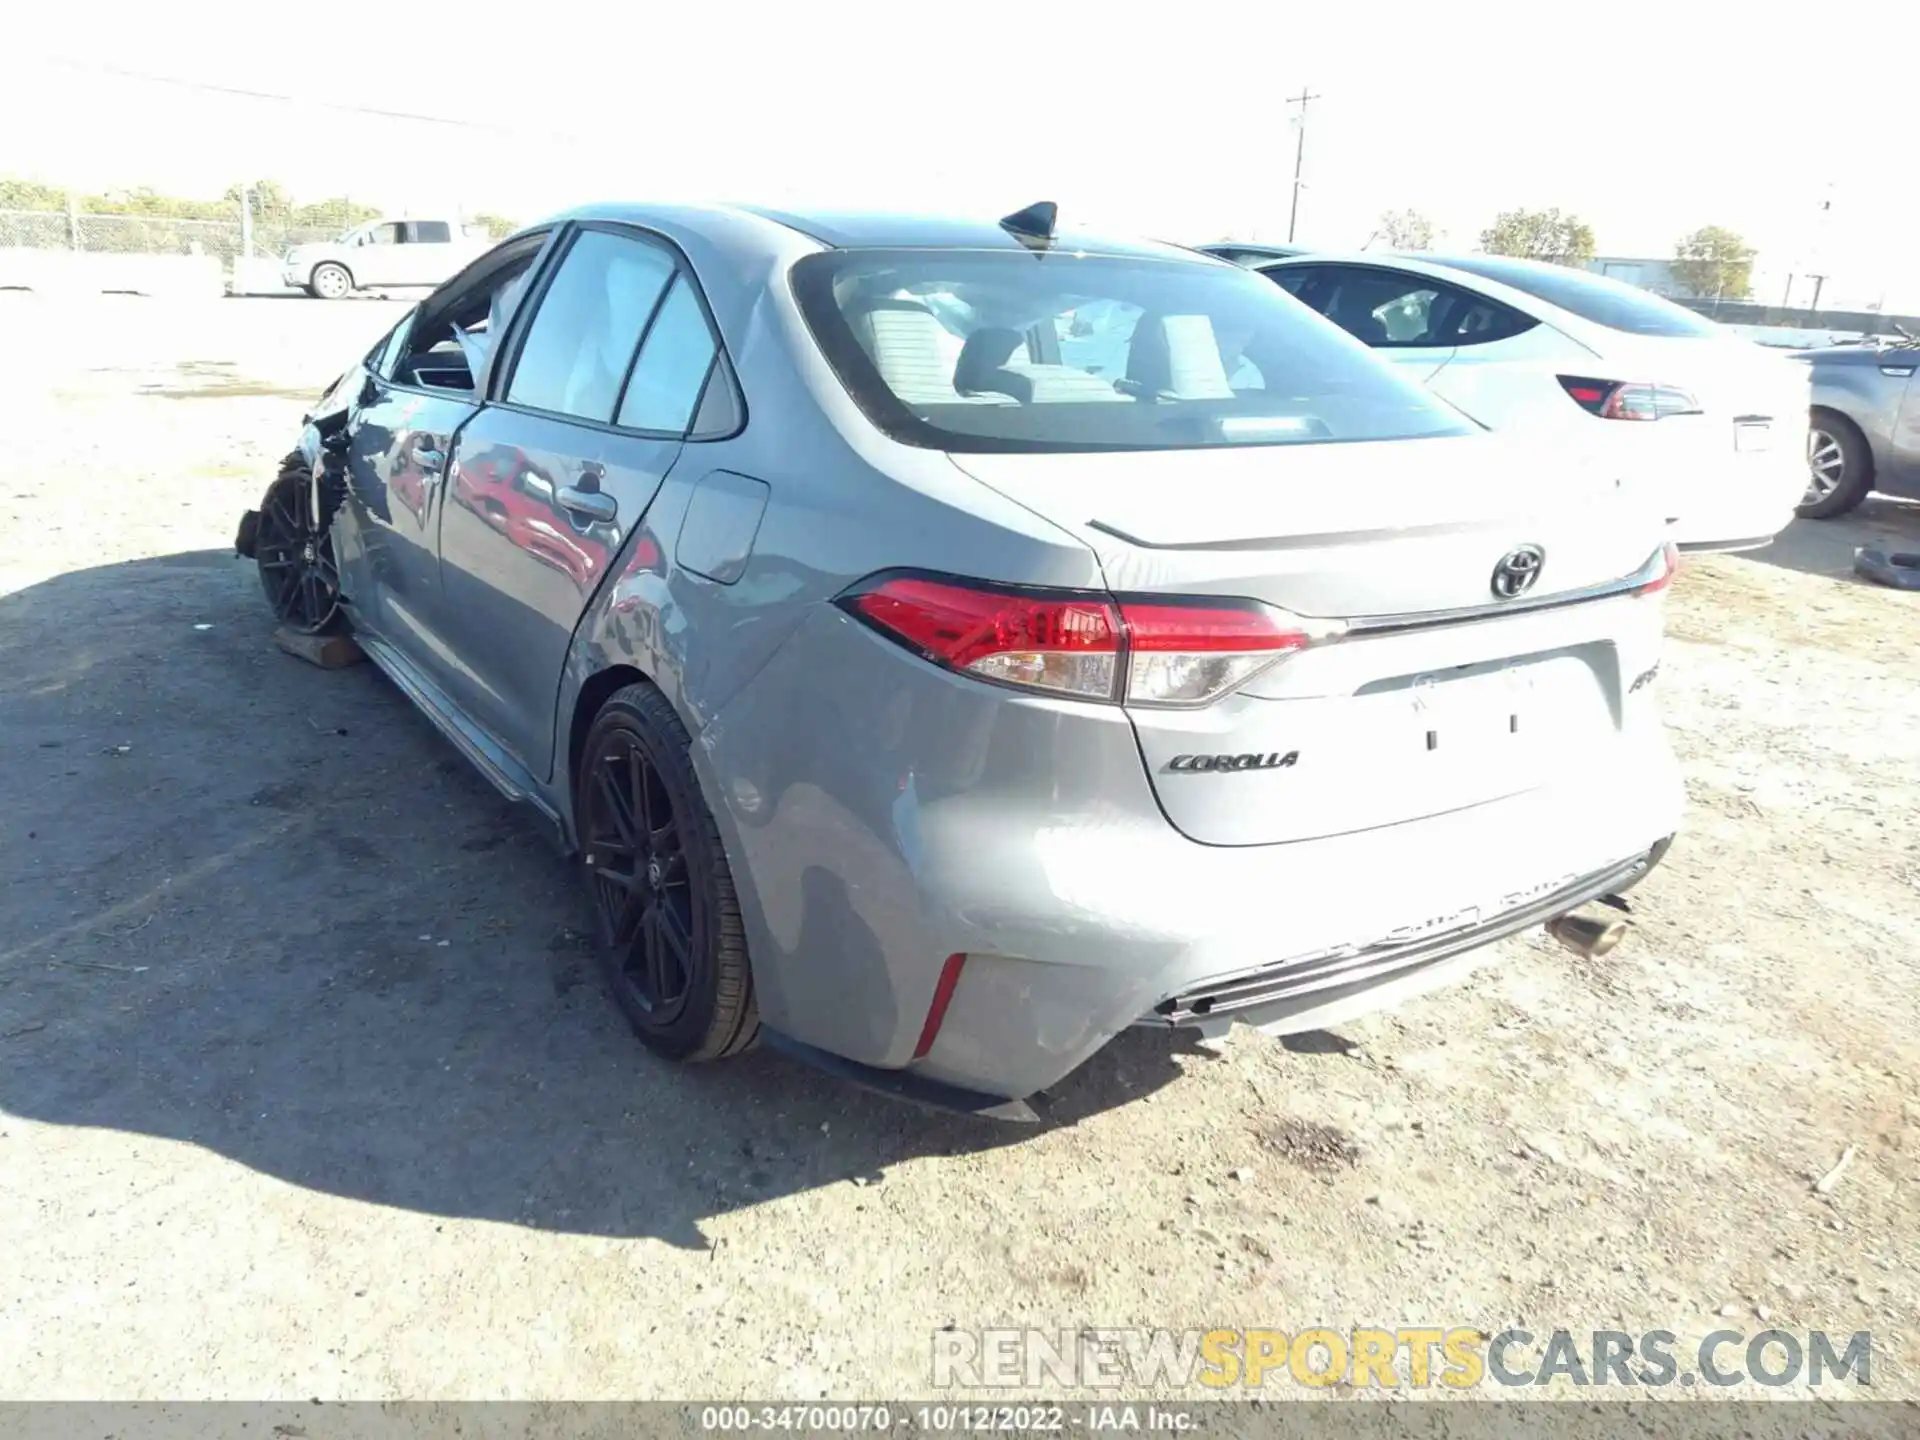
{"x":277,"y":228}
{"x":239,"y":233}
{"x":268,"y":235}
{"x":37,"y":230}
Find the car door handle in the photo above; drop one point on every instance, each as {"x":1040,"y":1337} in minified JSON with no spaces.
{"x":590,"y":503}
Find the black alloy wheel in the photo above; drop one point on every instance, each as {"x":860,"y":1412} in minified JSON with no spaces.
{"x":671,"y":940}
{"x":295,"y":556}
{"x":639,"y":870}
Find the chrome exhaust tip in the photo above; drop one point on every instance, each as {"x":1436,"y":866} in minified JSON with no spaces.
{"x":1591,"y":935}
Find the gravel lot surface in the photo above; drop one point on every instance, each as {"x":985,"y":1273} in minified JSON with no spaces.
{"x":308,"y":1086}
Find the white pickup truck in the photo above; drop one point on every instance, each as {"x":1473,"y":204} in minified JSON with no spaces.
{"x":384,"y":254}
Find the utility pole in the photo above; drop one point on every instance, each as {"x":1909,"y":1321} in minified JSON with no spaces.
{"x":1818,"y":281}
{"x":1299,"y":154}
{"x":1812,"y":248}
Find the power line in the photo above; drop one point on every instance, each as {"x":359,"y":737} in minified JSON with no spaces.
{"x":1299,"y":154}
{"x":210,"y":87}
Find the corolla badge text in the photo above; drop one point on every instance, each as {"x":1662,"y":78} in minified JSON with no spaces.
{"x":1224,"y":764}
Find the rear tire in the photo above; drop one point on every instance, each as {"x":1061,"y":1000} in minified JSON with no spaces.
{"x":330,"y":281}
{"x":672,"y":945}
{"x":1839,"y":467}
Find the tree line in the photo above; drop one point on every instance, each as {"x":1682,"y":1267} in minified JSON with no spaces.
{"x":268,"y":201}
{"x":1710,"y":262}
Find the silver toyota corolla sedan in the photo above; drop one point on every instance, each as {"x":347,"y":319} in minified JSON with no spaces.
{"x":947,"y":643}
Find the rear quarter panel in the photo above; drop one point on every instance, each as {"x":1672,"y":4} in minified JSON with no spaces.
{"x":1513,"y":384}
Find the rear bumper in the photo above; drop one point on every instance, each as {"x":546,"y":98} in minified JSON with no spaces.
{"x":1284,"y":938}
{"x":1306,"y":992}
{"x":881,"y":815}
{"x":1738,"y":501}
{"x":909,"y":1085}
{"x":1725,"y":547}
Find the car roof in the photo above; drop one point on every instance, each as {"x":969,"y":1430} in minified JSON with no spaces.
{"x":885,"y":229}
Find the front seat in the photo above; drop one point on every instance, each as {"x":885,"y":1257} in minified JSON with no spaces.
{"x":480,"y":347}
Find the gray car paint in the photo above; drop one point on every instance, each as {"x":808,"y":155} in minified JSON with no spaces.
{"x":395,"y":465}
{"x":881,"y":813}
{"x":723,"y":518}
{"x":1878,"y":389}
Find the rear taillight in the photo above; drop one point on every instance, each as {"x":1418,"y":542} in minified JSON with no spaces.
{"x":1628,"y":400}
{"x":1657,"y":574}
{"x":1069,"y":644}
{"x":1189,"y":652}
{"x":1134,"y":651}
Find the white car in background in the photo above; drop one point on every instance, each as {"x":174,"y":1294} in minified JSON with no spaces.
{"x":1714,"y":424}
{"x":385,"y":254}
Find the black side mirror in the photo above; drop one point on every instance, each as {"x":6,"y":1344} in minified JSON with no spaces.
{"x":369,"y":391}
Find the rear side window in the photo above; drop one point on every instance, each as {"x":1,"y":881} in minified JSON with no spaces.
{"x":1476,"y":320}
{"x":429,"y":232}
{"x":1392,"y":309}
{"x":988,"y":350}
{"x":582,"y":337}
{"x":1597,"y":298}
{"x":673,"y":365}
{"x":1378,"y":306}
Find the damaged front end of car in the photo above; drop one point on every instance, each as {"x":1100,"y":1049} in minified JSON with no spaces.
{"x":289,"y":537}
{"x":323,"y":434}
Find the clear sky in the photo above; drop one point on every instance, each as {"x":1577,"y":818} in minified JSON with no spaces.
{"x":1647,"y":121}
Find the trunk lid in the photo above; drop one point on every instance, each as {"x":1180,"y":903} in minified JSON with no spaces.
{"x":1441,"y":695}
{"x":1749,"y":439}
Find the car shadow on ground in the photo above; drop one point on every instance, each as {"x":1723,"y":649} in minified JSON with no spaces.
{"x":267,"y":910}
{"x":1825,"y":547}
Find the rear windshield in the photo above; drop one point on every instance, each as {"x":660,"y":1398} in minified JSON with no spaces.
{"x":974,"y":350}
{"x":1604,"y":301}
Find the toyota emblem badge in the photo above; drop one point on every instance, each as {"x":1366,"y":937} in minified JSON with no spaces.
{"x":1517,"y":571}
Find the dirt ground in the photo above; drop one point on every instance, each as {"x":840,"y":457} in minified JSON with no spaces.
{"x":308,"y":1086}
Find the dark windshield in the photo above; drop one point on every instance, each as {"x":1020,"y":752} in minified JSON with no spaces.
{"x":1604,"y":301}
{"x":984,"y":350}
